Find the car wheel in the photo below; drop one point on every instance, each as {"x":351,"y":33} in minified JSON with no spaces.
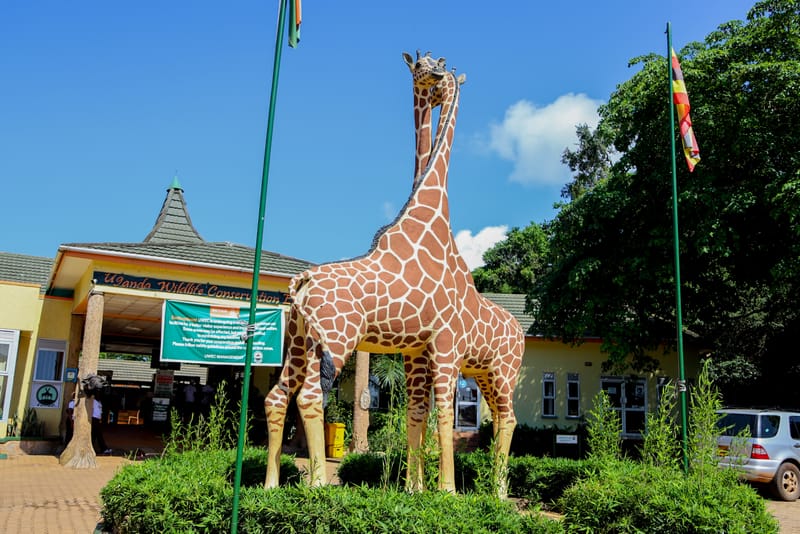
{"x":787,"y":482}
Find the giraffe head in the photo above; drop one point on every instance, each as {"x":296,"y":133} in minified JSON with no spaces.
{"x":427,"y":72}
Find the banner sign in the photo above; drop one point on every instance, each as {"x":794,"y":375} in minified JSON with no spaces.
{"x":194,"y":289}
{"x":212,"y":335}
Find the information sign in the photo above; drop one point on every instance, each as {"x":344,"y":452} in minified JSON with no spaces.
{"x":213,"y":335}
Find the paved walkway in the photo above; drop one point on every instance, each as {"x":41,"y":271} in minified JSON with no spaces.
{"x":39,"y":496}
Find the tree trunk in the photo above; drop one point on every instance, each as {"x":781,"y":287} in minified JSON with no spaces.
{"x":361,"y":403}
{"x":79,"y":453}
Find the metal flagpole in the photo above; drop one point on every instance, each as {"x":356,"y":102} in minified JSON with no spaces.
{"x":678,"y":313}
{"x":257,"y":268}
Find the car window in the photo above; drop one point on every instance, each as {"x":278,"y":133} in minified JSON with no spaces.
{"x":794,"y":426}
{"x":769,"y":426}
{"x":732,"y":424}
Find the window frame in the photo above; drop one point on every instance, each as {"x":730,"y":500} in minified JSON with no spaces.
{"x":10,"y":338}
{"x":549,"y":378}
{"x":573,"y":378}
{"x":472,"y":385}
{"x":50,"y":345}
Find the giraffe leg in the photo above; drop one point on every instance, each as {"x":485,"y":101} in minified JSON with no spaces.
{"x":275,"y":404}
{"x":503,"y":423}
{"x":277,"y":401}
{"x":444,"y":384}
{"x":418,"y":389}
{"x":309,"y":404}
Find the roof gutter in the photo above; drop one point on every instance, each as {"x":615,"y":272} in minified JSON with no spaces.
{"x":159,"y":259}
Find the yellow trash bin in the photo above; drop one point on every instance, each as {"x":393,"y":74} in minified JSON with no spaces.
{"x":334,"y":440}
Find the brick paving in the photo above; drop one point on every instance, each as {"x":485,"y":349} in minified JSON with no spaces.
{"x":39,"y":496}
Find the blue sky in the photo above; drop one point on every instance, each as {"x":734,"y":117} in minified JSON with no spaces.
{"x":103,"y":102}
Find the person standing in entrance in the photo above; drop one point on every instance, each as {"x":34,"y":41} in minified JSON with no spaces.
{"x":189,"y":394}
{"x":98,"y":442}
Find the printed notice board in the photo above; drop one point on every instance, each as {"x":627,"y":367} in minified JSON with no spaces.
{"x":212,"y":335}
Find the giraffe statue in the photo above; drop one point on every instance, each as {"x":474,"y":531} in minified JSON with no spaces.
{"x":405,"y":295}
{"x":496,"y":336}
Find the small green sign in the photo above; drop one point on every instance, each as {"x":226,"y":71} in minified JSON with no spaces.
{"x":213,"y":335}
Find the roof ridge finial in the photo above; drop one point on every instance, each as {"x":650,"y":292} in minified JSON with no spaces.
{"x":175,"y":183}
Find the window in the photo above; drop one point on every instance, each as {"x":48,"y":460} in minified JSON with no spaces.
{"x":50,"y":360}
{"x":794,"y":426}
{"x":628,"y":398}
{"x":549,"y":394}
{"x":8,"y":358}
{"x":468,"y":398}
{"x":573,"y":395}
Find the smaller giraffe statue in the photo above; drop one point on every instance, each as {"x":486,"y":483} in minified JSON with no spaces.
{"x":496,"y":336}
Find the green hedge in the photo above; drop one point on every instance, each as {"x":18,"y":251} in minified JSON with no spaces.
{"x":192,"y":492}
{"x":632,"y":497}
{"x":187,"y":492}
{"x":336,"y":509}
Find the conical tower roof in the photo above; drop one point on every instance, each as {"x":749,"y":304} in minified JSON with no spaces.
{"x":173,"y":224}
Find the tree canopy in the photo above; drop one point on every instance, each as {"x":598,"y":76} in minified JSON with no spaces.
{"x":514,"y":264}
{"x":611,"y":250}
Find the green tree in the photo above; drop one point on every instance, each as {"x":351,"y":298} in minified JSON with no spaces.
{"x":514,"y":264}
{"x":591,"y":161}
{"x":611,"y":250}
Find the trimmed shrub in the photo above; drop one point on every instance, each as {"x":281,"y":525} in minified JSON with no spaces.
{"x":545,"y":479}
{"x":192,"y":492}
{"x":332,"y":509}
{"x":189,"y":492}
{"x":370,"y":469}
{"x":626,"y":496}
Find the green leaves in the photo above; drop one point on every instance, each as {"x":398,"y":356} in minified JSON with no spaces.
{"x":611,"y":254}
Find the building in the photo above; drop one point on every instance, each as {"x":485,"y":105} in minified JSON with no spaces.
{"x":121,"y":292}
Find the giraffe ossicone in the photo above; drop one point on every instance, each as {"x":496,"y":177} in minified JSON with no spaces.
{"x":411,"y":293}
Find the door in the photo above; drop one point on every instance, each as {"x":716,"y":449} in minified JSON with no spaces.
{"x":9,"y":339}
{"x":629,"y":398}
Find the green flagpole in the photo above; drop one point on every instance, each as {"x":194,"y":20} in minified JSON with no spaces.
{"x":257,"y":269}
{"x":678,"y":313}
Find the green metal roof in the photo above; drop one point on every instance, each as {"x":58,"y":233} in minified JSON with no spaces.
{"x":514,"y":303}
{"x":173,"y":224}
{"x":174,"y":238}
{"x":23,"y":269}
{"x":221,"y":254}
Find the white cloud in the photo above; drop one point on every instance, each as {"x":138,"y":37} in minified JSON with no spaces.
{"x":535,"y":138}
{"x":472,"y":247}
{"x":389,"y":212}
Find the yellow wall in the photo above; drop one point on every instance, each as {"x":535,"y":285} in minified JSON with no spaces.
{"x":24,"y":316}
{"x":586,"y":360}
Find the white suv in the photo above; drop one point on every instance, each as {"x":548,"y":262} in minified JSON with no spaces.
{"x":771,"y":453}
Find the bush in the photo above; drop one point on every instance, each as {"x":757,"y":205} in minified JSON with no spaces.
{"x":545,"y":479}
{"x":189,"y":492}
{"x":332,"y":509}
{"x":626,"y":496}
{"x":371,"y":469}
{"x":192,"y":492}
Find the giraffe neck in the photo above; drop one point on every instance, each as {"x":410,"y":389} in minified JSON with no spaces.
{"x":430,"y":187}
{"x":434,"y":168}
{"x":422,"y":128}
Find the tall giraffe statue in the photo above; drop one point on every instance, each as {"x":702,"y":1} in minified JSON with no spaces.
{"x":406,"y":295}
{"x":496,"y":337}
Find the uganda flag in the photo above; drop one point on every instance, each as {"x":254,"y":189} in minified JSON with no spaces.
{"x":295,"y":18}
{"x":681,"y":99}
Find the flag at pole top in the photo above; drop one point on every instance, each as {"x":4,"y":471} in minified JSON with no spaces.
{"x":681,"y":99}
{"x":295,"y":18}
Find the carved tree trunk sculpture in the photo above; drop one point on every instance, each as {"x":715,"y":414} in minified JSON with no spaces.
{"x":79,"y":453}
